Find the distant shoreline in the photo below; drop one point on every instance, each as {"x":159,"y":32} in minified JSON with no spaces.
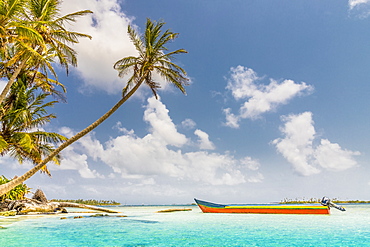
{"x":90,"y":202}
{"x":318,"y":201}
{"x":285,"y":201}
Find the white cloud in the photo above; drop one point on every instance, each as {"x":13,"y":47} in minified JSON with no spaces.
{"x":151,"y":155}
{"x":188,"y":124}
{"x":242,"y":82}
{"x":2,"y":85}
{"x":59,"y":190}
{"x":13,"y":164}
{"x":162,"y":126}
{"x":332,"y":157}
{"x":158,"y":156}
{"x":298,"y":148}
{"x":355,"y":3}
{"x":256,"y":179}
{"x":204,"y":142}
{"x":359,"y":8}
{"x":231,"y":119}
{"x":119,"y":127}
{"x":75,"y":157}
{"x":258,"y":98}
{"x":110,"y":42}
{"x":91,"y":190}
{"x":75,"y":161}
{"x":297,"y":145}
{"x":252,"y":164}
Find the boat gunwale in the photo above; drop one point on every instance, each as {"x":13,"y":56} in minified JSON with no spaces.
{"x":277,"y":206}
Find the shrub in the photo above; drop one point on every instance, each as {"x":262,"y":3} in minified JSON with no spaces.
{"x":17,"y":193}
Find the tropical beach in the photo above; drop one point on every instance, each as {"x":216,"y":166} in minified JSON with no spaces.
{"x":184,"y":123}
{"x":144,"y":227}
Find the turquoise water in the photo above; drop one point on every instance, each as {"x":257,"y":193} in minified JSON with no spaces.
{"x":144,"y":227}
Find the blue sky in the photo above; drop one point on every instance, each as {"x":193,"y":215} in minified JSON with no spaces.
{"x":277,"y":107}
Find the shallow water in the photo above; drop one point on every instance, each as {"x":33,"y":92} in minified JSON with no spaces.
{"x":144,"y":227}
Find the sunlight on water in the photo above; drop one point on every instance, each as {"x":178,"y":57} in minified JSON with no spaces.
{"x":144,"y":227}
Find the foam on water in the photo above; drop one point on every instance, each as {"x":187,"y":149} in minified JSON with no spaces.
{"x":145,"y":227}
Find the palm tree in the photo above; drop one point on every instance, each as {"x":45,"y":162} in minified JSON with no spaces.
{"x":10,"y":10}
{"x":35,"y":36}
{"x":152,"y":58}
{"x":24,"y":112}
{"x":10,"y":34}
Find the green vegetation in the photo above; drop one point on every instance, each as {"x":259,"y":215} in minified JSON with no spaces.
{"x":23,"y":115}
{"x":350,"y":201}
{"x":90,"y":202}
{"x":17,"y":193}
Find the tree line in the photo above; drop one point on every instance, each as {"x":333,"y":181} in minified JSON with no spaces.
{"x":90,"y":202}
{"x":317,"y":200}
{"x":34,"y":39}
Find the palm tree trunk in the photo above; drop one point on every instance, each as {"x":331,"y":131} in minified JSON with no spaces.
{"x":77,"y":205}
{"x":5,"y":188}
{"x":11,"y":81}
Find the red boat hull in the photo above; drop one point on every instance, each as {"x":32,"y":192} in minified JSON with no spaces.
{"x":208,"y":207}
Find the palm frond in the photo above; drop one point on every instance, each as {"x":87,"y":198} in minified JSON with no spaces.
{"x":3,"y":144}
{"x":49,"y":137}
{"x":130,"y":83}
{"x":164,"y":39}
{"x":126,"y":65}
{"x":72,"y":16}
{"x":169,"y":56}
{"x":47,"y":84}
{"x":29,"y":34}
{"x":11,"y":8}
{"x":136,"y":40}
{"x":43,"y":9}
{"x":174,"y":78}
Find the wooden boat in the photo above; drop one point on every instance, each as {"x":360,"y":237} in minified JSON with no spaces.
{"x":209,"y":207}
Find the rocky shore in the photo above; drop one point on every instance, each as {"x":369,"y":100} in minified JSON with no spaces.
{"x":39,"y":204}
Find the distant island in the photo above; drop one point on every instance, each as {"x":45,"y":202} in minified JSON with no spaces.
{"x":316,"y":200}
{"x":90,"y":202}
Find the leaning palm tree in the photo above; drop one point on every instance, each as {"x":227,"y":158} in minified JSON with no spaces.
{"x":152,"y":59}
{"x":36,"y":35}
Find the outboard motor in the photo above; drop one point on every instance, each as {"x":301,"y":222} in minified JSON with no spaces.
{"x":326,"y":202}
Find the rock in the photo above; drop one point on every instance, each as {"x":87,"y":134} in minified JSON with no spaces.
{"x":99,"y":215}
{"x":40,"y":196}
{"x":33,"y":206}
